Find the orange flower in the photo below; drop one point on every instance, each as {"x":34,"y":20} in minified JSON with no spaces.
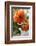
{"x":25,"y":27}
{"x":19,"y":16}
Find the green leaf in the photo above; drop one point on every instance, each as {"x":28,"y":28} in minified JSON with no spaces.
{"x":27,"y":17}
{"x":19,"y":31}
{"x":15,"y":29}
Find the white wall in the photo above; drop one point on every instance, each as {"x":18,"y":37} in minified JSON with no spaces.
{"x":2,"y":26}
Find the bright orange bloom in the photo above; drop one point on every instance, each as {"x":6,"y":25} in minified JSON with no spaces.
{"x":19,"y":16}
{"x":25,"y":27}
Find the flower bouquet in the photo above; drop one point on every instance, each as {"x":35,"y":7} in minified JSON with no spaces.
{"x":20,"y":22}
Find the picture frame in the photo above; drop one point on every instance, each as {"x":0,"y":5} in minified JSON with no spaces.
{"x":10,"y":11}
